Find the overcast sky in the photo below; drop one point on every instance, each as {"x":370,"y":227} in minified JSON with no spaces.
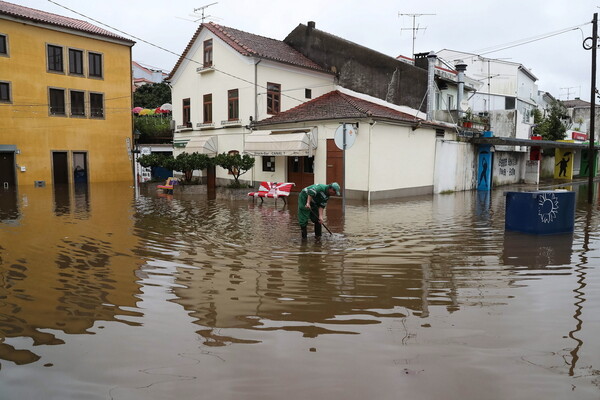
{"x":560,"y":63}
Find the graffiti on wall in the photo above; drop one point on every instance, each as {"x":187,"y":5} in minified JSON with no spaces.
{"x":507,"y":165}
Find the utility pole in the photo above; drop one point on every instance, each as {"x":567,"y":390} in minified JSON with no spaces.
{"x":591,"y":151}
{"x":414,"y":28}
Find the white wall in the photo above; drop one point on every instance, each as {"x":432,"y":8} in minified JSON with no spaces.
{"x":509,"y":167}
{"x":401,"y":158}
{"x":455,"y":166}
{"x":235,"y":71}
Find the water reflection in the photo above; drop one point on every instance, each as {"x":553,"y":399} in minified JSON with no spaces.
{"x":9,"y":210}
{"x":64,"y":275}
{"x":537,"y":251}
{"x":432,"y":284}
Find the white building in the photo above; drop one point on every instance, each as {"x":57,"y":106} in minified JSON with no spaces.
{"x":227,"y":78}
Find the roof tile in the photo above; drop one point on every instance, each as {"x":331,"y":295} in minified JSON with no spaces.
{"x":34,"y":15}
{"x":338,"y":105}
{"x":249,"y":44}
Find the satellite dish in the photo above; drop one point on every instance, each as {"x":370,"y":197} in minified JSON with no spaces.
{"x":344,"y":143}
{"x":464,"y":105}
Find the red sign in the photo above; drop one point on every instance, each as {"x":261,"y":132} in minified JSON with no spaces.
{"x":579,"y":136}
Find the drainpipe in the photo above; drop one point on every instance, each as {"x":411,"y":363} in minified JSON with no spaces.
{"x":431,"y":58}
{"x":256,"y":90}
{"x":461,"y":67}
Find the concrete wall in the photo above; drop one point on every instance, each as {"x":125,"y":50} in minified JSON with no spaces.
{"x":361,"y":69}
{"x":547,"y":168}
{"x":455,"y":166}
{"x":509,"y":168}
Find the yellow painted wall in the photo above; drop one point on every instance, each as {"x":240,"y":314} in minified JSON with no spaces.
{"x":26,"y":122}
{"x":563,"y":166}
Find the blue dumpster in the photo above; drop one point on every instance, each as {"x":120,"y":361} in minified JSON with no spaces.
{"x":541,"y":212}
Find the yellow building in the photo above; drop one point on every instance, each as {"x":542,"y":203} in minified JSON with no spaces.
{"x":65,"y":100}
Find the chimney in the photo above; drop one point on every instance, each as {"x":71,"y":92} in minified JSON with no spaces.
{"x":311,"y":25}
{"x":431,"y":58}
{"x":461,"y":67}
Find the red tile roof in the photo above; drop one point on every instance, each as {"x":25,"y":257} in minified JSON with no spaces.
{"x":249,"y":44}
{"x":31,"y":14}
{"x":338,"y":105}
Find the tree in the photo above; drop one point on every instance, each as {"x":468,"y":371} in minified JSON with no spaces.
{"x":185,"y":163}
{"x":152,"y":95}
{"x":551,"y":126}
{"x":235,"y":163}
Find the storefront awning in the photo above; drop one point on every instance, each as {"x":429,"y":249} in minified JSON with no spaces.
{"x":296,"y":142}
{"x":202,"y":145}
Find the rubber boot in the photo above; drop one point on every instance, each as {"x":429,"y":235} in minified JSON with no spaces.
{"x":318,"y":228}
{"x":304,"y":232}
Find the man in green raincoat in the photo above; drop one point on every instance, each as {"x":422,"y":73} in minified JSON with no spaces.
{"x":311,"y":203}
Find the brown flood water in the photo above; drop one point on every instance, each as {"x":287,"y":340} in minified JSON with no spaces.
{"x":105,"y":294}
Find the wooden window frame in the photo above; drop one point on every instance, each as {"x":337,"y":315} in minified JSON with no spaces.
{"x":8,"y":99}
{"x":6,"y":52}
{"x":233,"y":105}
{"x":56,"y":67}
{"x":187,"y":113}
{"x":207,"y":111}
{"x":273,"y":98}
{"x":52,"y":106}
{"x":92,"y":65}
{"x":82,"y":54}
{"x":94,"y":114}
{"x":207,"y":53}
{"x":71,"y":108}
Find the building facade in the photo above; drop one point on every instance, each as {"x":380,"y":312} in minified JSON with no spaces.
{"x":225,"y":80}
{"x":65,"y":100}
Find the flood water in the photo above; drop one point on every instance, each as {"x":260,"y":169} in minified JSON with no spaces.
{"x":107,"y":292}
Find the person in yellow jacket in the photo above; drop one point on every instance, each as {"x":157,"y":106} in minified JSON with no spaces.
{"x":311,"y":203}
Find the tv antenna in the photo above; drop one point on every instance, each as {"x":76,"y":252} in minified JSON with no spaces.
{"x":569,"y":91}
{"x":201,"y":9}
{"x":414,"y":28}
{"x":200,"y":17}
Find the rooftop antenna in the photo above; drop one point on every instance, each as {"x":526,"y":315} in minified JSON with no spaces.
{"x":201,"y":9}
{"x":568,"y":89}
{"x":414,"y":28}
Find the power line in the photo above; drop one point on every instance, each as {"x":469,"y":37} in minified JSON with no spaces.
{"x":162,"y":48}
{"x":521,"y":42}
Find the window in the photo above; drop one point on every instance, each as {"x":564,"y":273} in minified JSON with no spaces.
{"x":3,"y":45}
{"x":75,"y":62}
{"x":57,"y":101}
{"x":207,"y":108}
{"x":96,"y":105}
{"x":450,"y":102}
{"x":273,"y":98}
{"x":187,"y":111}
{"x":208,"y":53}
{"x":77,"y":103}
{"x":233,"y":105}
{"x":308,"y":93}
{"x":55,"y":58}
{"x":268,"y":164}
{"x":509,"y":103}
{"x":95,"y":65}
{"x":5,"y":92}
